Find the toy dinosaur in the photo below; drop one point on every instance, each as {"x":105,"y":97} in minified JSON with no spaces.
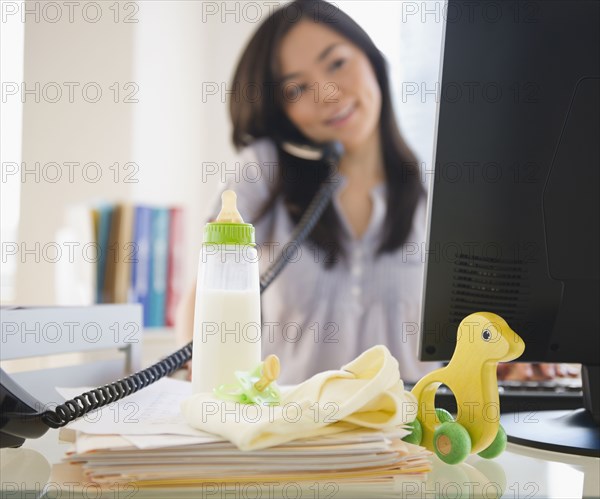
{"x":483,"y":340}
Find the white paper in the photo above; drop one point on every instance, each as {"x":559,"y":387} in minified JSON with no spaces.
{"x":154,"y":410}
{"x":162,"y":441}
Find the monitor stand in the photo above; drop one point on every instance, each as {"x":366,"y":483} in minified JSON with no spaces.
{"x":572,"y":432}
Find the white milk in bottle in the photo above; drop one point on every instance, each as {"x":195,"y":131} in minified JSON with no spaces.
{"x":227,"y":330}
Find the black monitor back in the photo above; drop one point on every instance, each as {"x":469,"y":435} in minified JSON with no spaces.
{"x":514,"y":211}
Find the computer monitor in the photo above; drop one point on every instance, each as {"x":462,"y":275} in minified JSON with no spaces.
{"x":514,"y":206}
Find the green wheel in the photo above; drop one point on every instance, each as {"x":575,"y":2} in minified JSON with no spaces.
{"x":496,"y":447}
{"x":416,"y":434}
{"x":443,"y":415}
{"x":452,"y":442}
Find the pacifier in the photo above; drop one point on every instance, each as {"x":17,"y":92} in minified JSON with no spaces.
{"x":254,"y":387}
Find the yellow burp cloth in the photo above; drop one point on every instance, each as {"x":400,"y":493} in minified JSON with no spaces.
{"x":367,"y":392}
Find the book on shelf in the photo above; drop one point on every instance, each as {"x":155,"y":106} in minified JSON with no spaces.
{"x":121,"y":252}
{"x":174,"y":266}
{"x":158,"y":268}
{"x":102,"y":215}
{"x":141,"y":266}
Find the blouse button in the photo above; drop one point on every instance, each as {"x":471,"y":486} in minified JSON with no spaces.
{"x":356,"y":291}
{"x":356,"y":270}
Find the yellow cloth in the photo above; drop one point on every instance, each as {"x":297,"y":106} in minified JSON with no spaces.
{"x":367,"y":392}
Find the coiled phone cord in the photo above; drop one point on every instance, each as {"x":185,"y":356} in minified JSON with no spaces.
{"x":100,"y":397}
{"x":302,"y":230}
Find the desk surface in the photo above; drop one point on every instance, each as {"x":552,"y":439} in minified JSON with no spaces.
{"x":519,"y":472}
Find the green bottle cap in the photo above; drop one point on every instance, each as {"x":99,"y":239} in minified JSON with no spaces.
{"x":229,"y":228}
{"x":228,"y":233}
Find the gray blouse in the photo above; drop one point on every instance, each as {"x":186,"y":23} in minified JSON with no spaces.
{"x":315,"y":319}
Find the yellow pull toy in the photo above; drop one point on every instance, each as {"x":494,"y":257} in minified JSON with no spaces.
{"x":483,"y":340}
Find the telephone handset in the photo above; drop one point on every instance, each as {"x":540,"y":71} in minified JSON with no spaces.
{"x":19,"y":418}
{"x":330,"y":152}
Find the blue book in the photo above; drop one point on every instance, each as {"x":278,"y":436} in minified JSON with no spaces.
{"x":141,"y":262}
{"x":158,"y":271}
{"x":103,"y":217}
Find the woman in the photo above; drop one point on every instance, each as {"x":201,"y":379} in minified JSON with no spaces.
{"x":351,"y":285}
{"x":311,"y":74}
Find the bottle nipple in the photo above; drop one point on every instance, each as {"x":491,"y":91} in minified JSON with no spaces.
{"x":229,"y":212}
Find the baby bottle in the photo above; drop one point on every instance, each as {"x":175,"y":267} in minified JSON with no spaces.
{"x":227,"y":327}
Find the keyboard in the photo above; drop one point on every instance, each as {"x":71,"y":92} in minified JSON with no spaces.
{"x":526,"y":396}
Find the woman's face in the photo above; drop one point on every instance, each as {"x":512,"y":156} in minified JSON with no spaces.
{"x":330,"y":89}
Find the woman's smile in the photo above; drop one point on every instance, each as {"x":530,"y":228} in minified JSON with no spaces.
{"x":343,"y":116}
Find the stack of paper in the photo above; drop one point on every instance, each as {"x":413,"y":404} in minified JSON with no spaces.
{"x":142,"y":443}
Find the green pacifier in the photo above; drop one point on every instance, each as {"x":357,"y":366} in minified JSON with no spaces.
{"x":254,"y":387}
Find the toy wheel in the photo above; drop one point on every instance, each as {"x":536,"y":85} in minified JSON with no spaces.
{"x":443,"y":415}
{"x":452,"y":442}
{"x":416,"y":434}
{"x":496,"y":447}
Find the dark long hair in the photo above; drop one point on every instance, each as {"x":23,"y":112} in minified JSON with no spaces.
{"x":299,"y":180}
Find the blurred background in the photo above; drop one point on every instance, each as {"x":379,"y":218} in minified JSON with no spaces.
{"x":114,"y":115}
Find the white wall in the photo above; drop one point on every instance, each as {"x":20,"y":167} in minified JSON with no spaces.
{"x":65,"y":55}
{"x":12,"y":46}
